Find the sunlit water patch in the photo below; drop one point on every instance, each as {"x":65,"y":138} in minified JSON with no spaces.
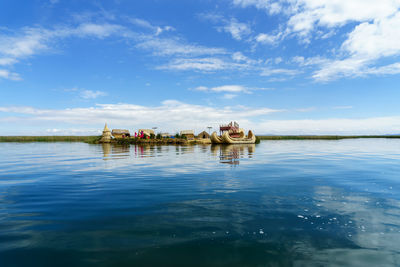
{"x":279,"y":203}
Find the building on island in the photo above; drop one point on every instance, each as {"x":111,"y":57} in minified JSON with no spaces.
{"x":189,"y":134}
{"x":166,"y":135}
{"x":147,"y":132}
{"x":120,"y":133}
{"x":203,"y":135}
{"x":106,"y":136}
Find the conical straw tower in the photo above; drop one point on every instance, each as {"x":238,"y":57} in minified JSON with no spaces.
{"x":106,"y":137}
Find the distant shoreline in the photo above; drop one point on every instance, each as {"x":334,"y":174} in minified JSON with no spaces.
{"x":321,"y":137}
{"x":93,"y":139}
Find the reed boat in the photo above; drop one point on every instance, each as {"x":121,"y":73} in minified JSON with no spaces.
{"x":232,"y":134}
{"x":215,"y":139}
{"x":242,"y":139}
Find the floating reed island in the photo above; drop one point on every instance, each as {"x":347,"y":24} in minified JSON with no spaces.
{"x":148,"y":136}
{"x":230,"y":134}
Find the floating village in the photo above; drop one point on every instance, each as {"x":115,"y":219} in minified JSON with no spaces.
{"x":229,"y":133}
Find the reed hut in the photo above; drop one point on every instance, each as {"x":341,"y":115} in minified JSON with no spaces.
{"x":147,"y":132}
{"x":120,"y":133}
{"x":189,"y":134}
{"x":203,"y":135}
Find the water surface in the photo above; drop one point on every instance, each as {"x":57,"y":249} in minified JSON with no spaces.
{"x":279,"y":203}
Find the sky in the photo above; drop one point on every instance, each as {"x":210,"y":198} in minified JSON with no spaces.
{"x":274,"y":66}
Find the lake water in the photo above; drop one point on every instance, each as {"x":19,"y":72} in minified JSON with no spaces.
{"x":279,"y":203}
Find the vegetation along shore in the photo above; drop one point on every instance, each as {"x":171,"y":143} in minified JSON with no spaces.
{"x":95,"y":139}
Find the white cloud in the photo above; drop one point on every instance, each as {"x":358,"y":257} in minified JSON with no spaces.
{"x":327,"y":13}
{"x":273,"y":7}
{"x":375,"y":35}
{"x":343,"y":107}
{"x":230,"y":89}
{"x":278,"y":60}
{"x":237,"y":29}
{"x":5,"y":74}
{"x":229,"y":96}
{"x":34,"y":40}
{"x":31,"y":41}
{"x":197,"y":64}
{"x":264,"y":38}
{"x":7,"y":61}
{"x":378,"y":125}
{"x":284,"y":72}
{"x":89,"y":94}
{"x":238,"y":56}
{"x":201,"y":88}
{"x":305,"y":15}
{"x":145,"y":24}
{"x":374,"y":40}
{"x":95,"y":30}
{"x":169,"y":47}
{"x":171,"y":115}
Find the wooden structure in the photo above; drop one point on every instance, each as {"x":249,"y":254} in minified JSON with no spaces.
{"x":203,"y":135}
{"x":120,"y":133}
{"x":232,"y":128}
{"x":106,"y":136}
{"x":189,"y":134}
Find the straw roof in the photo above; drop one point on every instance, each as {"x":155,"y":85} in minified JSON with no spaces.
{"x":120,"y":131}
{"x":106,"y":128}
{"x":146,"y":131}
{"x":187,"y":132}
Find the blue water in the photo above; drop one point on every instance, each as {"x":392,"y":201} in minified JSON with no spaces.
{"x":279,"y":203}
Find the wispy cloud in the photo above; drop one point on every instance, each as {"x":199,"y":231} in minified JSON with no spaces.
{"x":343,"y":107}
{"x":335,"y":126}
{"x":237,"y":29}
{"x":192,"y":116}
{"x":197,"y":64}
{"x":373,"y":39}
{"x":264,"y":38}
{"x":89,"y":94}
{"x":157,"y":30}
{"x":229,"y":96}
{"x":229,"y":88}
{"x":184,"y":115}
{"x":5,"y":74}
{"x":169,"y":47}
{"x":283,"y":72}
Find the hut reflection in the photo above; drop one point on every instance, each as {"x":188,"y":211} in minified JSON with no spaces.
{"x":115,"y":151}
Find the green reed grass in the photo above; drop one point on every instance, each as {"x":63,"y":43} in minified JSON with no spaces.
{"x":22,"y":139}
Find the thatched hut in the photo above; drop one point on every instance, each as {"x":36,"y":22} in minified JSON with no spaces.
{"x":189,"y":134}
{"x":120,"y":133}
{"x":203,"y":135}
{"x":147,"y":132}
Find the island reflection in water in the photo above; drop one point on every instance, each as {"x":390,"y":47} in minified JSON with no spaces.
{"x":288,"y":203}
{"x":228,"y":154}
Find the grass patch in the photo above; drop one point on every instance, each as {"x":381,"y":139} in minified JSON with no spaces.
{"x":321,"y":137}
{"x":25,"y":139}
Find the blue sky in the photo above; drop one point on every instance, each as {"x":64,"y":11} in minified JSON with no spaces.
{"x":277,"y":67}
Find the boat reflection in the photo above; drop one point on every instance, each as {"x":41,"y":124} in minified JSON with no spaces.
{"x":231,"y":154}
